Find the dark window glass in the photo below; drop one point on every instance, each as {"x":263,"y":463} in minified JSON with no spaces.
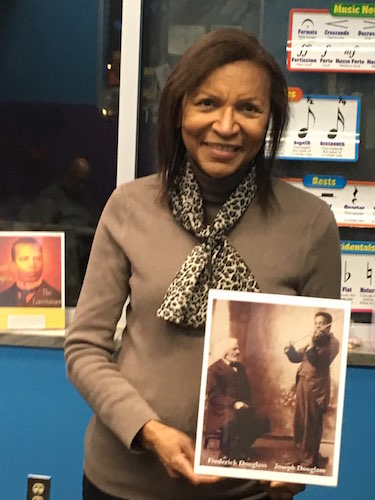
{"x":170,"y":26}
{"x":58,"y":120}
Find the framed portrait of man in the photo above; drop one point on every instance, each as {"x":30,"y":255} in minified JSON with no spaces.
{"x":272,"y":387}
{"x":32,"y":280}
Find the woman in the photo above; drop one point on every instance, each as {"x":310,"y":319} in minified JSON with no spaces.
{"x":214,"y":218}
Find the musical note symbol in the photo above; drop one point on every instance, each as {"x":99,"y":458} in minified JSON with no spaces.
{"x":351,"y":53}
{"x":304,"y":130}
{"x":369,"y":273}
{"x":340,"y":119}
{"x":354,"y":199}
{"x":325,"y":52}
{"x":347,"y":274}
{"x":303,"y":53}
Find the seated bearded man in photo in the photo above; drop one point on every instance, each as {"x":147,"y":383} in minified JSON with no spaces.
{"x":230,"y":412}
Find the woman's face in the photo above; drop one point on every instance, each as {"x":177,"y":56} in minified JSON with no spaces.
{"x":224,"y":120}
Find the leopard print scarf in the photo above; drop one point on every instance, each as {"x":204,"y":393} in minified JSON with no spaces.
{"x":212,"y":264}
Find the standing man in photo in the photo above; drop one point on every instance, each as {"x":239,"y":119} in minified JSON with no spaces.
{"x":29,"y":289}
{"x":313,"y":382}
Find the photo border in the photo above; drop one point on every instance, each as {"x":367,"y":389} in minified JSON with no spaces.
{"x":248,"y":473}
{"x":36,"y":318}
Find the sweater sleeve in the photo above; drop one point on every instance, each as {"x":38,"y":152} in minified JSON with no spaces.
{"x":322,"y":270}
{"x":89,"y":345}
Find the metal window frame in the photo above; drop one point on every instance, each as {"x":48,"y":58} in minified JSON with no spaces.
{"x":129,"y":90}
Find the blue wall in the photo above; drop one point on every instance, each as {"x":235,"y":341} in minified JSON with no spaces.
{"x":43,"y":420}
{"x":42,"y":423}
{"x":356,"y":474}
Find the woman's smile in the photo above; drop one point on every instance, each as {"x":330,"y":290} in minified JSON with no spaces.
{"x":222,"y":151}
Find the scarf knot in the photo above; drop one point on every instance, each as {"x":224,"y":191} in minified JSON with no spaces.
{"x":214,"y":263}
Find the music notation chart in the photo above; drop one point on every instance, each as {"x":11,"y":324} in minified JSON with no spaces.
{"x":319,"y":41}
{"x":358,"y":274}
{"x":322,"y":128}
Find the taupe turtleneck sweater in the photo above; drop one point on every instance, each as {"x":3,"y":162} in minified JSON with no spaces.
{"x":137,"y":250}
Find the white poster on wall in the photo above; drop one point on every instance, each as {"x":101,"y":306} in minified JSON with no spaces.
{"x":322,"y":128}
{"x":352,"y":202}
{"x":320,"y":41}
{"x":358,"y":274}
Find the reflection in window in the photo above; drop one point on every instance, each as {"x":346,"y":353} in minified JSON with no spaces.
{"x":170,"y":26}
{"x":58,"y":150}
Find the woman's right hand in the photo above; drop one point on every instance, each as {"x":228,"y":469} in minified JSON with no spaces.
{"x":174,"y":449}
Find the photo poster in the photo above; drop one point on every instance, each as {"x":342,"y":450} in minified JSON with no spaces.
{"x":339,"y":39}
{"x":32,"y":280}
{"x":256,"y":438}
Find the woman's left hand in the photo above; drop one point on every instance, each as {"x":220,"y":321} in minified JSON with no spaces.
{"x":277,"y":490}
{"x":175,"y":450}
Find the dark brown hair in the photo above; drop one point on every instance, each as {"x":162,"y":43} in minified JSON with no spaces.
{"x":210,"y":52}
{"x":326,"y":316}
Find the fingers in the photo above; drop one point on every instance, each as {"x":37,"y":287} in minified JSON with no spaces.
{"x":181,"y":465}
{"x":293,"y":487}
{"x":175,"y":450}
{"x":188,"y":449}
{"x":278,"y":490}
